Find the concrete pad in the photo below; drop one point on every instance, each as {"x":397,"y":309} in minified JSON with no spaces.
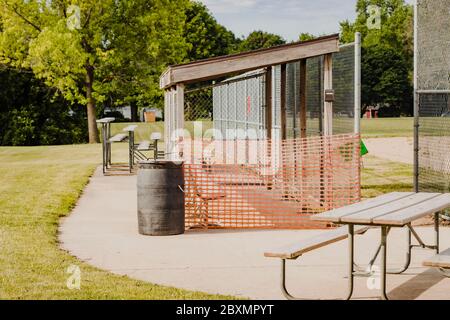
{"x":393,"y":149}
{"x":102,"y":230}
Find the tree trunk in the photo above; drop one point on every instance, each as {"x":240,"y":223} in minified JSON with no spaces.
{"x":134,"y":112}
{"x":92,"y":124}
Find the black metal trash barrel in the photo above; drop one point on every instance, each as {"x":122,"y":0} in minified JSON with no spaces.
{"x":160,"y":202}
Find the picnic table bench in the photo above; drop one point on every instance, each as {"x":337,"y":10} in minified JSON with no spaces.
{"x":135,"y":151}
{"x":398,"y":209}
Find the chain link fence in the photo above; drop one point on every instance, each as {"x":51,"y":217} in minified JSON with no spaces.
{"x":434,"y":142}
{"x":344,"y":88}
{"x":433,"y":93}
{"x":239,"y":175}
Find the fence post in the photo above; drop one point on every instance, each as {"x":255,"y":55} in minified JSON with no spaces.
{"x":328,"y":84}
{"x":283,"y":102}
{"x":357,"y":111}
{"x":167,"y":121}
{"x":173,"y":120}
{"x":328,"y":131}
{"x":416,"y":101}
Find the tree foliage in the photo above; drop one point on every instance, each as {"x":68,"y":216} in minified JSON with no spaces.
{"x":205,"y":37}
{"x":89,"y":50}
{"x":260,"y":39}
{"x":305,"y":36}
{"x":387,"y":64}
{"x":30,"y":114}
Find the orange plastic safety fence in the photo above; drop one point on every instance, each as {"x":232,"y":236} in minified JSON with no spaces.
{"x":269,"y":184}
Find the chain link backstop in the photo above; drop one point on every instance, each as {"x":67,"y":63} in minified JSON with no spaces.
{"x":432,"y":65}
{"x":239,"y":175}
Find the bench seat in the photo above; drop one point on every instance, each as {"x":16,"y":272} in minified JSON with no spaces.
{"x":295,"y":250}
{"x":130,"y":128}
{"x":441,"y":260}
{"x":118,"y":137}
{"x":144,"y":146}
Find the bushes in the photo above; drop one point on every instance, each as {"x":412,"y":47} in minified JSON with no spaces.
{"x":31,"y":114}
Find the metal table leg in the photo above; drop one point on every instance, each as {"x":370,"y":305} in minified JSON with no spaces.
{"x":384,"y":233}
{"x":104,"y":149}
{"x":368,"y":270}
{"x":106,"y":137}
{"x":351,"y":257}
{"x":131,"y":150}
{"x":283,"y":283}
{"x":437,"y":215}
{"x":436,"y":230}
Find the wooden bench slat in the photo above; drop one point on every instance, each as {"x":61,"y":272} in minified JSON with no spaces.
{"x":337,"y":214}
{"x":369,"y":215}
{"x":405,"y":216}
{"x":130,"y":128}
{"x":293,"y":251}
{"x":118,"y":137}
{"x":441,"y":260}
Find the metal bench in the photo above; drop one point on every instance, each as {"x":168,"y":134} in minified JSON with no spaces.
{"x":135,"y":151}
{"x":294,"y":251}
{"x":149,"y":146}
{"x":118,"y":138}
{"x":143,"y":146}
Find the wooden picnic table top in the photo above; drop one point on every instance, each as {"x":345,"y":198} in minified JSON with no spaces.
{"x":392,"y":209}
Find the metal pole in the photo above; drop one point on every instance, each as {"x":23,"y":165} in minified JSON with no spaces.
{"x":357,"y":83}
{"x":436,"y":229}
{"x":384,"y":232}
{"x":328,"y":84}
{"x":351,"y":261}
{"x":357,"y":110}
{"x":130,"y":150}
{"x":416,"y":102}
{"x":104,"y":161}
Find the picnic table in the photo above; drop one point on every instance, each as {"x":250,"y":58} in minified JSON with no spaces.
{"x":393,"y":210}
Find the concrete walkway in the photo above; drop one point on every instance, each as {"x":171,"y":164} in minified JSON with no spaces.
{"x":393,"y":149}
{"x":102,"y":230}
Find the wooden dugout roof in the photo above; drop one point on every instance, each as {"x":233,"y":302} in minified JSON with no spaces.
{"x":242,"y":62}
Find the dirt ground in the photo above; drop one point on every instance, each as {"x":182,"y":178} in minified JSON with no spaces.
{"x":393,"y":149}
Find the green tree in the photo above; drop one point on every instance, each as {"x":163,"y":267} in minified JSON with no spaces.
{"x":385,"y":79}
{"x":205,"y":37}
{"x":305,"y":36}
{"x":388,"y":82}
{"x":86,"y":49}
{"x":30,"y":114}
{"x":142,"y":39}
{"x":259,"y":40}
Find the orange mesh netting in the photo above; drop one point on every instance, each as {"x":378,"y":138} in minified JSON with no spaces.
{"x":269,"y":184}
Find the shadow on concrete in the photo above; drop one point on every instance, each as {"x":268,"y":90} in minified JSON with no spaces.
{"x":416,"y":286}
{"x":200,"y":231}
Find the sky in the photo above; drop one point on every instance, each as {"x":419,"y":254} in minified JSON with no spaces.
{"x":287,"y":18}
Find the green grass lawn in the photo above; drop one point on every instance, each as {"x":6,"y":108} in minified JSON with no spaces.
{"x":39,"y":185}
{"x":387,"y":127}
{"x":381,"y":176}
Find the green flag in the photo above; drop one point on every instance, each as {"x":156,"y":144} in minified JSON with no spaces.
{"x":364,"y":150}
